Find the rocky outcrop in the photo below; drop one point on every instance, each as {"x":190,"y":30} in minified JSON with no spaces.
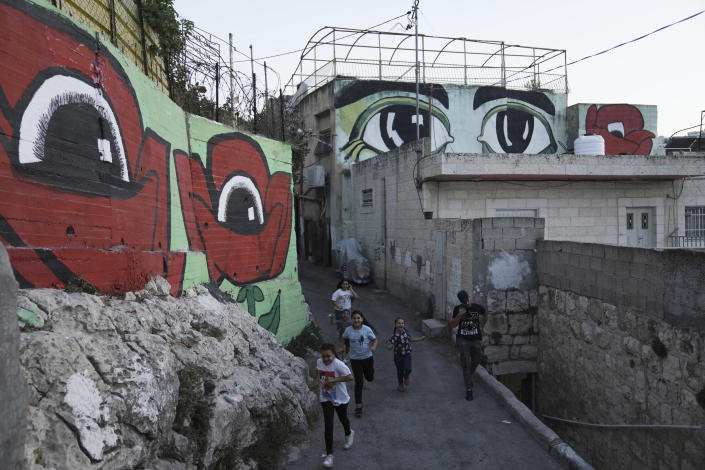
{"x":152,"y":381}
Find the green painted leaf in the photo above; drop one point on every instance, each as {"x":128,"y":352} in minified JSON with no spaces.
{"x":259,"y":296}
{"x":270,"y":320}
{"x":242,"y":295}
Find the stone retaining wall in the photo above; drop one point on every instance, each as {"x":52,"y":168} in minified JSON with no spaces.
{"x":604,"y":319}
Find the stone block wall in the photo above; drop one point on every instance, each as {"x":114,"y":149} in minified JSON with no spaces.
{"x":504,"y":280}
{"x":604,"y":313}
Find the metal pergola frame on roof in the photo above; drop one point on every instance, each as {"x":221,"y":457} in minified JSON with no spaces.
{"x":379,"y":55}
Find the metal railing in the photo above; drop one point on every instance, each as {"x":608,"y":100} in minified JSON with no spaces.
{"x":684,"y":241}
{"x":379,"y":55}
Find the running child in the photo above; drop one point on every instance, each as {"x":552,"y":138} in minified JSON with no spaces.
{"x":331,"y":374}
{"x":400,"y":341}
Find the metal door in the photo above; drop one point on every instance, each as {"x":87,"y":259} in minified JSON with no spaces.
{"x":641,"y":225}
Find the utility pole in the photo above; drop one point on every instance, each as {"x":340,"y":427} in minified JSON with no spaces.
{"x":254,"y":92}
{"x":266,"y":96}
{"x":232,"y":81}
{"x":415,"y":18}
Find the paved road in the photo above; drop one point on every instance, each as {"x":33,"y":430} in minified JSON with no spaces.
{"x":430,"y":426}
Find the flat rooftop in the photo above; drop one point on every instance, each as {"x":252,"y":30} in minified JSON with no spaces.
{"x":497,"y":167}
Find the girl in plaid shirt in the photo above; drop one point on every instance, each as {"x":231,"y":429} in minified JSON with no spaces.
{"x":400,"y":342}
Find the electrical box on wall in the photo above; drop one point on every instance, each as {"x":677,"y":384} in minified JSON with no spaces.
{"x":316,"y":176}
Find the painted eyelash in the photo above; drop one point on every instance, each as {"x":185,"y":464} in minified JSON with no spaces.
{"x":40,"y":125}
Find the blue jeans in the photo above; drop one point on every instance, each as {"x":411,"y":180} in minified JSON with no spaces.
{"x":470,"y":355}
{"x":403,"y":363}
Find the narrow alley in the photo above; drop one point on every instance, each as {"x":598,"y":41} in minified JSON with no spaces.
{"x":429,"y":426}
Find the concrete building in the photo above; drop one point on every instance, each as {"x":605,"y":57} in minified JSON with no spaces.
{"x":595,"y":199}
{"x":506,"y":140}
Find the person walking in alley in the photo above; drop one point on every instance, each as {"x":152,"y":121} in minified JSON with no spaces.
{"x":342,"y":300}
{"x":332,"y":374}
{"x":363,"y":343}
{"x":400,"y":342}
{"x":470,"y":318}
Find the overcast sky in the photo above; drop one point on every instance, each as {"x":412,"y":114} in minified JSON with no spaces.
{"x":666,"y":69}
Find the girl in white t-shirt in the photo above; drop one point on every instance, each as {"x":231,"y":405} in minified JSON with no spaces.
{"x":331,"y":375}
{"x":342,"y":300}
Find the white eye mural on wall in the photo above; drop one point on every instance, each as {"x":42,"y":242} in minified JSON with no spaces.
{"x":518,"y":124}
{"x":390,"y":122}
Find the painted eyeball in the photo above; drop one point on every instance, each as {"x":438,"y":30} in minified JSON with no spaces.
{"x":516,"y":128}
{"x":240,"y":205}
{"x":69,"y":130}
{"x":391,"y":122}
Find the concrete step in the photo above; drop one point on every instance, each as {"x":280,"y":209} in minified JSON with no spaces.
{"x":433,"y":327}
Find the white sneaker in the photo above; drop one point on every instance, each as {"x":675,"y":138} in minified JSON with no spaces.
{"x":349,"y":440}
{"x":328,"y":461}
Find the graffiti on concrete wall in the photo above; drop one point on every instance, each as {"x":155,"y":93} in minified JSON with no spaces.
{"x":622,"y":127}
{"x":382,"y":117}
{"x":374,"y":117}
{"x":93,"y":190}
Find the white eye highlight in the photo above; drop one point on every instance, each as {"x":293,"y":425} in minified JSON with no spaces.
{"x":241,"y":184}
{"x":616,"y":127}
{"x":58,"y":91}
{"x":372,"y":135}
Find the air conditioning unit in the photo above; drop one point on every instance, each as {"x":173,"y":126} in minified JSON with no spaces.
{"x":316,"y":176}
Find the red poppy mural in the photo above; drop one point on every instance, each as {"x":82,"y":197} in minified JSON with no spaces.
{"x":85,"y":187}
{"x":238,"y":212}
{"x":622,"y":127}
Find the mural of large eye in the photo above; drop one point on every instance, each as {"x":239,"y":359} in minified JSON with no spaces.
{"x":69,"y":129}
{"x":237,"y":211}
{"x":391,"y":122}
{"x":516,"y":128}
{"x":240,"y":206}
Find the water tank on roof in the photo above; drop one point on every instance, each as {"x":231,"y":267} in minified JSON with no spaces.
{"x":589,"y":145}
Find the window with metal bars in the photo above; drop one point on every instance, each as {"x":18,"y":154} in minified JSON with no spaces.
{"x":367,"y":198}
{"x":695,"y":221}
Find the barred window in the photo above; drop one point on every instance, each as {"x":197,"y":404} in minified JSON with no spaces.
{"x":695,"y":221}
{"x":367,"y":197}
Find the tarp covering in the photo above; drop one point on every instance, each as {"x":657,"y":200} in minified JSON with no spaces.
{"x":350,"y":262}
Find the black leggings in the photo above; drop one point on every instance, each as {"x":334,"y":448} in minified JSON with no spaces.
{"x":342,"y":411}
{"x":366,"y":368}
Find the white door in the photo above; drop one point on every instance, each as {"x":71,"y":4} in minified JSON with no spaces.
{"x":641,"y":225}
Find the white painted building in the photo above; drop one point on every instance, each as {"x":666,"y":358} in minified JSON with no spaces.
{"x":635,"y":200}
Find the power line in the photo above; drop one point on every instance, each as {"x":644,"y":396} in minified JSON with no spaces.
{"x":288,"y":52}
{"x":627,"y":42}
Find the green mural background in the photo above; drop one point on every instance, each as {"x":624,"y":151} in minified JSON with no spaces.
{"x":274,"y":297}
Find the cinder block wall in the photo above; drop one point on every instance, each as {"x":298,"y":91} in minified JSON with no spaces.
{"x":504,"y":280}
{"x":396,"y":239}
{"x":603,"y":312}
